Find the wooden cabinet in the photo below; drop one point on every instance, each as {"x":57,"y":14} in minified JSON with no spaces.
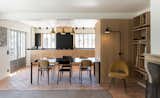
{"x":140,"y":45}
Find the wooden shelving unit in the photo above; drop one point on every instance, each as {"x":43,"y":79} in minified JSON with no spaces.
{"x":140,"y":45}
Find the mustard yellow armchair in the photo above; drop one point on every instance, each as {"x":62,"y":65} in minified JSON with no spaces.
{"x":119,"y":70}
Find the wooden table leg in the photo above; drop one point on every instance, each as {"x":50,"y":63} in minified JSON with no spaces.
{"x":94,"y":69}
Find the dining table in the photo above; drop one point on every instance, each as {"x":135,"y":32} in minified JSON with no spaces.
{"x":54,"y":62}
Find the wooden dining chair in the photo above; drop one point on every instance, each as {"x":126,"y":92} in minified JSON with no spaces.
{"x":85,"y":66}
{"x":44,"y":66}
{"x":65,"y":66}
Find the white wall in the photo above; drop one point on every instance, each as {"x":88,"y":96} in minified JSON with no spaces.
{"x":18,"y":26}
{"x":4,"y":58}
{"x":4,"y":62}
{"x":155,"y":27}
{"x":98,"y":40}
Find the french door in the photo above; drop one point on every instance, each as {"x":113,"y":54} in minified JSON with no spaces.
{"x":17,"y":46}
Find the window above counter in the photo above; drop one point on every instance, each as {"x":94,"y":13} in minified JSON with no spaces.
{"x":83,"y":38}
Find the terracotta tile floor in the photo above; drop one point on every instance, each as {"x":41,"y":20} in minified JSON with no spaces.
{"x":21,"y":81}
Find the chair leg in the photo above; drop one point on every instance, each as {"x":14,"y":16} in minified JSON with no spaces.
{"x":41,"y":73}
{"x":90,"y":75}
{"x":52,"y":73}
{"x":81,"y":77}
{"x":79,"y":74}
{"x":38,"y":77}
{"x":71,"y":73}
{"x":58,"y":78}
{"x":125,"y":85}
{"x":61,"y":76}
{"x":70,"y":76}
{"x":48,"y":75}
{"x":110,"y":82}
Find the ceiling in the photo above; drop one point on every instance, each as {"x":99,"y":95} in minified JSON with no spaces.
{"x":46,"y":11}
{"x":62,"y":22}
{"x":73,"y":5}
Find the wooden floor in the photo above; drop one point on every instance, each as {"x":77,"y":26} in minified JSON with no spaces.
{"x":21,"y":81}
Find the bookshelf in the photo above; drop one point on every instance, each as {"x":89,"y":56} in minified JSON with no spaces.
{"x":140,"y":45}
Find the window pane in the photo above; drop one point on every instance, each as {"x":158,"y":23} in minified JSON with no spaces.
{"x":53,"y":41}
{"x":79,"y":41}
{"x":12,"y":44}
{"x":49,"y":41}
{"x":86,"y":40}
{"x":23,"y":42}
{"x":16,"y":44}
{"x":19,"y":44}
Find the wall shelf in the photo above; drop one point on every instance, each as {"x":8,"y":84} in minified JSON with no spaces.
{"x":140,"y":45}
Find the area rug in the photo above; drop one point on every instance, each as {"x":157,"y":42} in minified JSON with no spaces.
{"x":56,"y":94}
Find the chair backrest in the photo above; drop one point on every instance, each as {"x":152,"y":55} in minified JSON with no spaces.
{"x":64,"y":61}
{"x":68,"y":58}
{"x":43,"y":63}
{"x":119,"y":66}
{"x":86,"y":63}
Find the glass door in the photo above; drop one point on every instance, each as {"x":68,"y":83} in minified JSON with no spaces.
{"x":17,"y":42}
